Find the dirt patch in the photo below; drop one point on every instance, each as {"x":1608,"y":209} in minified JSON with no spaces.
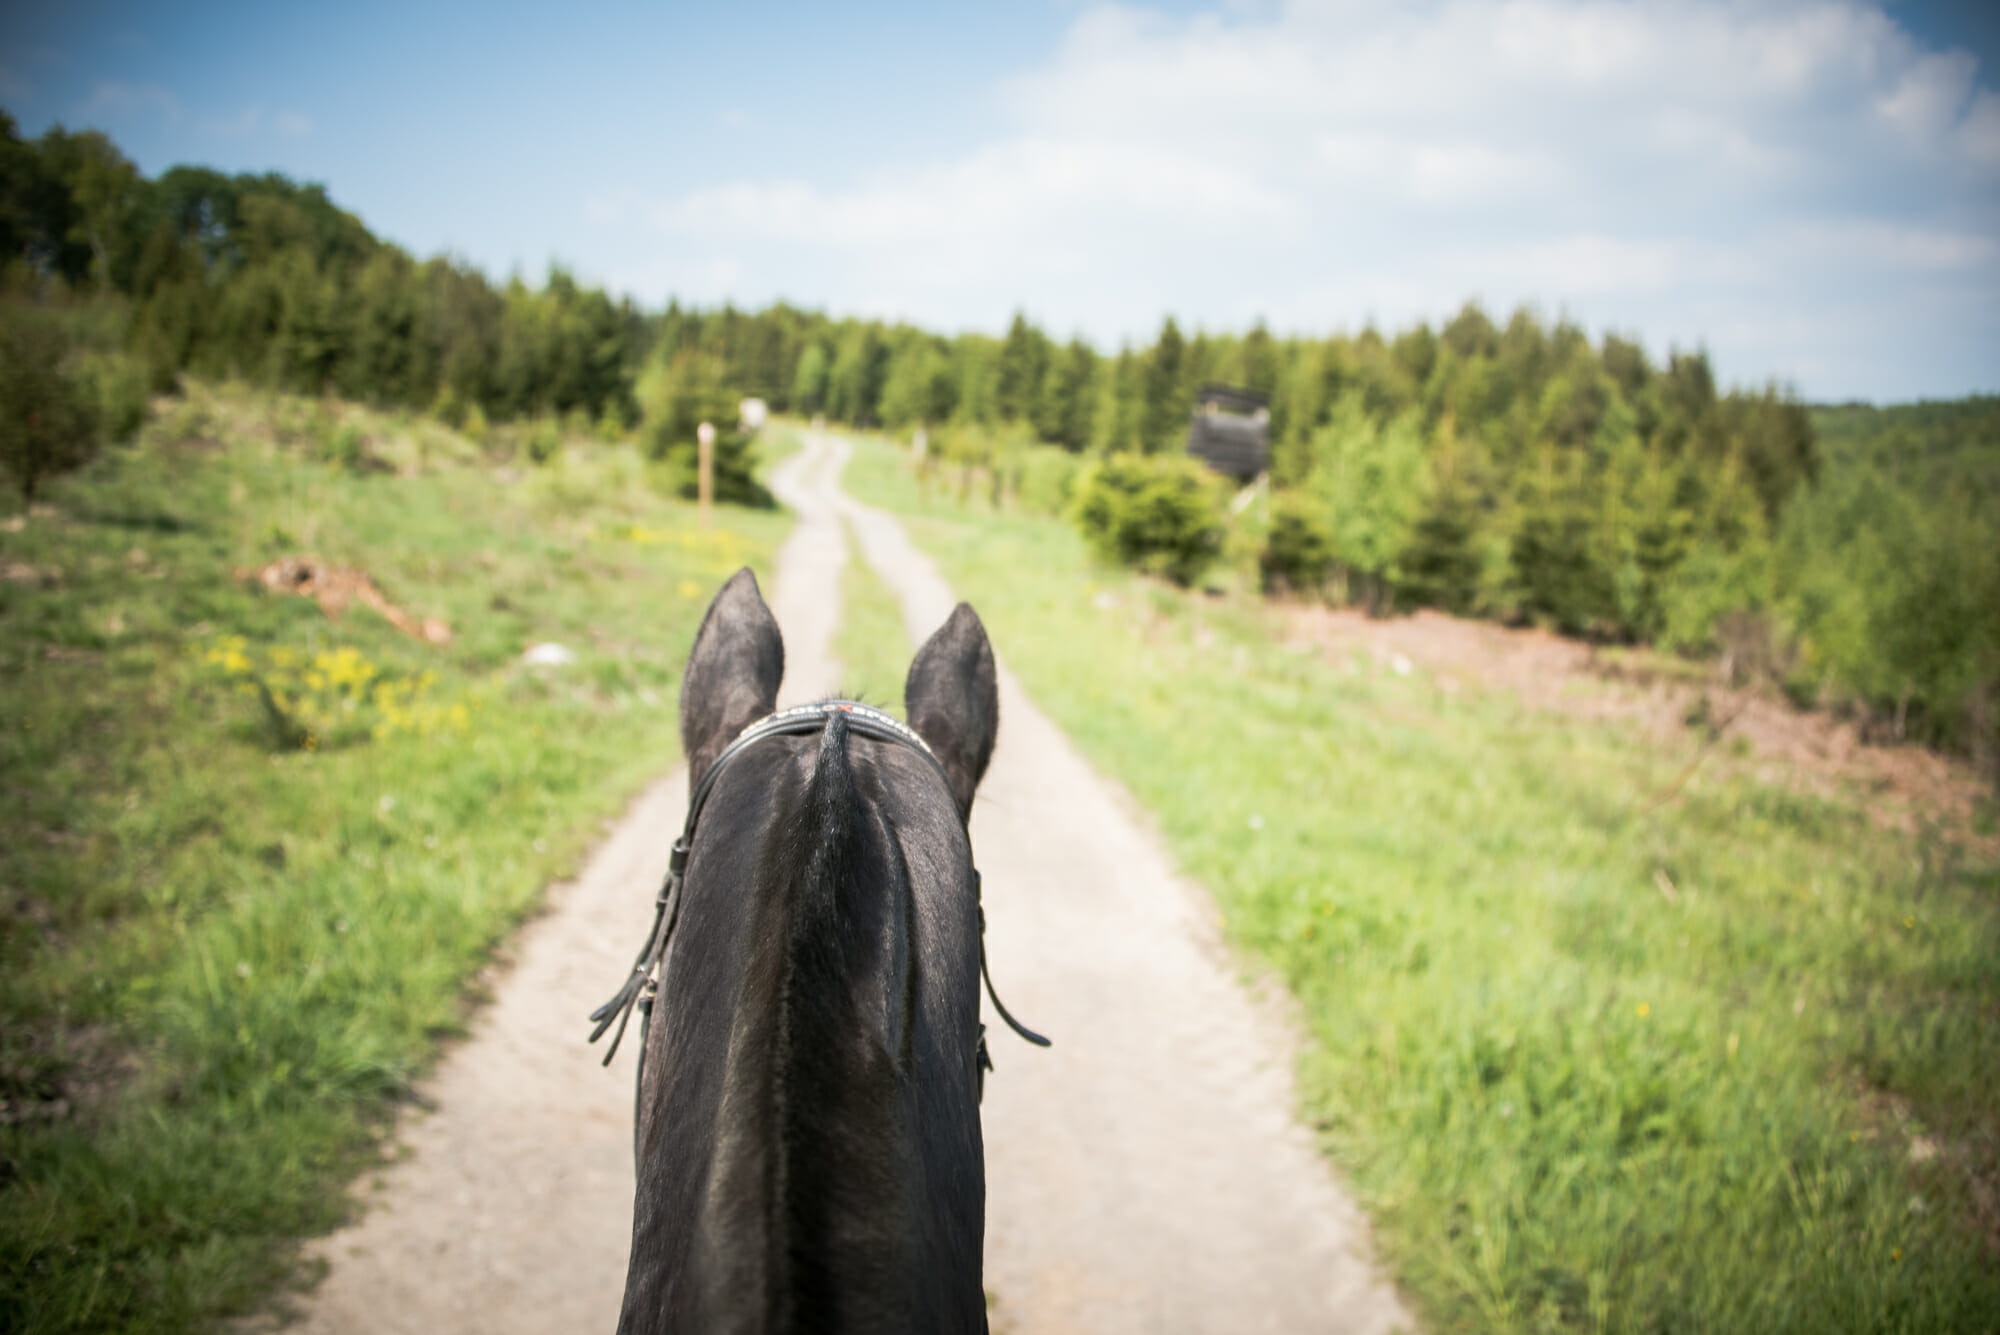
{"x":34,"y":577}
{"x":336,"y":587}
{"x":54,"y":1073}
{"x":1903,"y":787}
{"x":1967,"y":1160}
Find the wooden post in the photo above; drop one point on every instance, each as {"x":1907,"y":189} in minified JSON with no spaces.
{"x":705,"y":436}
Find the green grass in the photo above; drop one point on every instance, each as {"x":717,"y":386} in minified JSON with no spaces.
{"x":1569,"y":1102}
{"x":872,"y":643}
{"x":226,"y":951}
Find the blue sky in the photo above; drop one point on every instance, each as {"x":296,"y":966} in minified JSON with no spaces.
{"x":1810,"y":190}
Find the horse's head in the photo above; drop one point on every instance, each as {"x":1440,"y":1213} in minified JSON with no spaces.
{"x":809,"y":1143}
{"x":951,"y":694}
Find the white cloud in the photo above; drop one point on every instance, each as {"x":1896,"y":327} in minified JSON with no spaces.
{"x":254,"y":120}
{"x":1927,"y":99}
{"x":110,"y":98}
{"x":1981,"y":132}
{"x":1435,"y":173}
{"x":241,"y":125}
{"x":1021,"y":187}
{"x":1889,"y":248}
{"x":1676,"y":167}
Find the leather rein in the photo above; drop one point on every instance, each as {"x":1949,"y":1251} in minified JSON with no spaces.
{"x":643,"y":984}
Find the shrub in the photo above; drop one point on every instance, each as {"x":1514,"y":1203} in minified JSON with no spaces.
{"x":1298,"y":552}
{"x":48,"y":421}
{"x":676,"y":394}
{"x":1048,"y":476}
{"x":1160,"y":514}
{"x":735,"y":471}
{"x":545,"y":439}
{"x":1704,"y":588}
{"x":344,"y":445}
{"x":448,"y":408}
{"x":119,"y":386}
{"x":615,"y":422}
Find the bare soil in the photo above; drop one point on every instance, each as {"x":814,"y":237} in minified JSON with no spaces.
{"x":1902,"y":786}
{"x":334,"y":588}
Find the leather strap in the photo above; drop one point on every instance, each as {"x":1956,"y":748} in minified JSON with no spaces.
{"x":643,"y":983}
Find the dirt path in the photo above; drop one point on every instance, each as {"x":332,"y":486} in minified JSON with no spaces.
{"x":1145,"y":1174}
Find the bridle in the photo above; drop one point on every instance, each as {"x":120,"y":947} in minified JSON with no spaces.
{"x":642,"y":986}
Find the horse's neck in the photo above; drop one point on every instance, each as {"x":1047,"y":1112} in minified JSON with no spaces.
{"x":795,"y":1146}
{"x":806,"y":1158}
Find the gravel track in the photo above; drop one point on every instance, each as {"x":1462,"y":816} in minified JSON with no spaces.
{"x":1147,"y":1173}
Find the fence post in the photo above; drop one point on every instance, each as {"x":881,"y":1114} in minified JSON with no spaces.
{"x":705,"y":486}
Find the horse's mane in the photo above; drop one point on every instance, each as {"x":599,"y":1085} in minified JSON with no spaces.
{"x":843,"y":1035}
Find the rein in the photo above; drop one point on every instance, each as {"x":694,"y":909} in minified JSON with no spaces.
{"x":643,"y":984}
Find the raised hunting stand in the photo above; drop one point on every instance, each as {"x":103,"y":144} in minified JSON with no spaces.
{"x":1230,"y":431}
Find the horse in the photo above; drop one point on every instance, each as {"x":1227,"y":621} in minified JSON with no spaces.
{"x":809,"y":1152}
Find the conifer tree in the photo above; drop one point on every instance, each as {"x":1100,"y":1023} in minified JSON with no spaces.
{"x":48,"y":424}
{"x":1163,"y":422}
{"x":1439,"y":567}
{"x":1023,"y":364}
{"x":809,"y":380}
{"x":1064,"y":415}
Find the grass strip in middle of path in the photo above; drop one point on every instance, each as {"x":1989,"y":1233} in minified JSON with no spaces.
{"x":873,"y":644}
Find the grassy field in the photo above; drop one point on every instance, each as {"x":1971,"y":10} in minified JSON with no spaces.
{"x":1592,"y":1060}
{"x":254,"y":856}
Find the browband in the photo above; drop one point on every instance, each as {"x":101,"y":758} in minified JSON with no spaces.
{"x":643,"y":984}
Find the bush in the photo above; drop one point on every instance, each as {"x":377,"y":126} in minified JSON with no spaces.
{"x":545,"y":439}
{"x":615,"y":422}
{"x":48,"y":420}
{"x":677,"y":394}
{"x":1708,"y":585}
{"x":119,"y":387}
{"x":1299,"y":549}
{"x":344,"y":445}
{"x":1159,"y":514}
{"x":736,"y":481}
{"x":1048,"y":476}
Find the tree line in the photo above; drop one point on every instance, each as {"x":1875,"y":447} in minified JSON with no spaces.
{"x":1513,"y":469}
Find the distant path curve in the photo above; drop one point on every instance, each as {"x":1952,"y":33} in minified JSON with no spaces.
{"x":1147,"y":1174}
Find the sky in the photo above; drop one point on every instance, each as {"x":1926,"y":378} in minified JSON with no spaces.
{"x":1808,"y":190}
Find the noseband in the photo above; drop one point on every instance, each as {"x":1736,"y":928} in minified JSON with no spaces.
{"x":643,"y":984}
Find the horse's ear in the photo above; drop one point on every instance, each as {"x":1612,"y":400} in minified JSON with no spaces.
{"x":732,"y":675}
{"x":954,"y":700}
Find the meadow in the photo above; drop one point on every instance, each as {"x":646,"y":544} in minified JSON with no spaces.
{"x":259,"y":858}
{"x":1604,"y":1037}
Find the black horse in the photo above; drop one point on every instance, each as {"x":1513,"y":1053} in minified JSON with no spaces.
{"x":809,"y":1151}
